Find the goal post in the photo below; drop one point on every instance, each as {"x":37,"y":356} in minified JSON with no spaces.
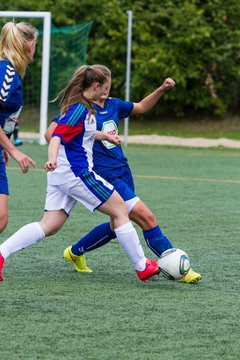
{"x":46,"y":16}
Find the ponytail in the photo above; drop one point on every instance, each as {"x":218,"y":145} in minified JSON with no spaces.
{"x":82,"y":79}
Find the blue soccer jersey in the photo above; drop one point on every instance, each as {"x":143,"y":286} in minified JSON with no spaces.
{"x":107,"y":157}
{"x":76,"y":129}
{"x":10,"y":96}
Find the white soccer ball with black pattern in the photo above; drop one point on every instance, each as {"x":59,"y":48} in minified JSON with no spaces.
{"x":174,"y":264}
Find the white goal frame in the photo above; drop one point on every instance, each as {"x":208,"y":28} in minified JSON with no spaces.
{"x":46,"y":16}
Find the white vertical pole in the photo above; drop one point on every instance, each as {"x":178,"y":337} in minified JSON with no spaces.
{"x":128,"y":71}
{"x":45,"y":77}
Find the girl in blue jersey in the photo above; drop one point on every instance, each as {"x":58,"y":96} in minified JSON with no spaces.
{"x":111,"y":163}
{"x":17,"y":47}
{"x":71,"y":178}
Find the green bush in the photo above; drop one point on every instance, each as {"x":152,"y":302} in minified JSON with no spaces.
{"x":196,"y":42}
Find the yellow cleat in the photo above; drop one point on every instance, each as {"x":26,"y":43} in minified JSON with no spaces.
{"x":79,"y":262}
{"x":191,"y":277}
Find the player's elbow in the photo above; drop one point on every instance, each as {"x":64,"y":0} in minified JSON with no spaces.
{"x":47,"y":136}
{"x":138,"y":109}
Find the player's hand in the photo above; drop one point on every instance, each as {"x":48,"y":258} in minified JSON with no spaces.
{"x":168,"y":84}
{"x":50,"y":165}
{"x":23,"y":160}
{"x":6,"y":157}
{"x":114,"y":139}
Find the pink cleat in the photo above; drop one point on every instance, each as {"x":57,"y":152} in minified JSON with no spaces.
{"x":150,"y":270}
{"x":1,"y":266}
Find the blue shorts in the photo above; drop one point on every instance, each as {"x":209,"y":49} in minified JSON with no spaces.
{"x":122,"y":180}
{"x":3,"y":178}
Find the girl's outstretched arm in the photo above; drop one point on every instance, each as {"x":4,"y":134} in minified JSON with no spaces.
{"x":149,"y":101}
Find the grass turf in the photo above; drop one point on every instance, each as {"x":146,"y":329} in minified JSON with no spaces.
{"x":226,"y":127}
{"x":49,"y":311}
{"x":195,"y":126}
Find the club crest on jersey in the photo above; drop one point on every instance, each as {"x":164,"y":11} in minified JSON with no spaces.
{"x":109,"y":127}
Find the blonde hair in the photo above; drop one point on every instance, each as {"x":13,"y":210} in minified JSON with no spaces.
{"x":82,"y":79}
{"x":14,"y":44}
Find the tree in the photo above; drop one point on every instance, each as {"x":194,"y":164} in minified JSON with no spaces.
{"x":197,"y":42}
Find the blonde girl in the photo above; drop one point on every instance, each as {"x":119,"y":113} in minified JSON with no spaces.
{"x":17,"y":47}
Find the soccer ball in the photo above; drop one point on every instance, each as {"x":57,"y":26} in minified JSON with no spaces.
{"x":174,"y":264}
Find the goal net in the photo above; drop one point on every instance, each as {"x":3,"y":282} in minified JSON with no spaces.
{"x":67,"y":50}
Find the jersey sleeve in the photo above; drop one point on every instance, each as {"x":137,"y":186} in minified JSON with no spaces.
{"x":124,"y":108}
{"x":8,"y":82}
{"x":56,"y":118}
{"x":71,"y":124}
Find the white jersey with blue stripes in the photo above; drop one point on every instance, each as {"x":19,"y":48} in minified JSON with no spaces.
{"x":76,"y":129}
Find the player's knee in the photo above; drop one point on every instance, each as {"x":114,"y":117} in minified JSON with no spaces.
{"x":120,"y":214}
{"x":144,"y":218}
{"x":119,"y":207}
{"x":123,"y":210}
{"x":3,"y":223}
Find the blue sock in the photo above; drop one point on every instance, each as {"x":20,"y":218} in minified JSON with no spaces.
{"x":156,"y":241}
{"x":96,"y":238}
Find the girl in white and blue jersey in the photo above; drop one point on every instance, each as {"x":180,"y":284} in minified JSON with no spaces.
{"x":17,"y":47}
{"x":71,"y":178}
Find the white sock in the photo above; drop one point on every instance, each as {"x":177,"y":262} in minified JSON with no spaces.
{"x":24,"y":237}
{"x":128,"y":238}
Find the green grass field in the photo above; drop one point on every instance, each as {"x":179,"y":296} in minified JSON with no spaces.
{"x":227,"y":127}
{"x":196,"y":126}
{"x":49,"y":311}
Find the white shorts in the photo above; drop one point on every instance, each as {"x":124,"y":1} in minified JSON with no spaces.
{"x":131,"y":203}
{"x":90,"y":189}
